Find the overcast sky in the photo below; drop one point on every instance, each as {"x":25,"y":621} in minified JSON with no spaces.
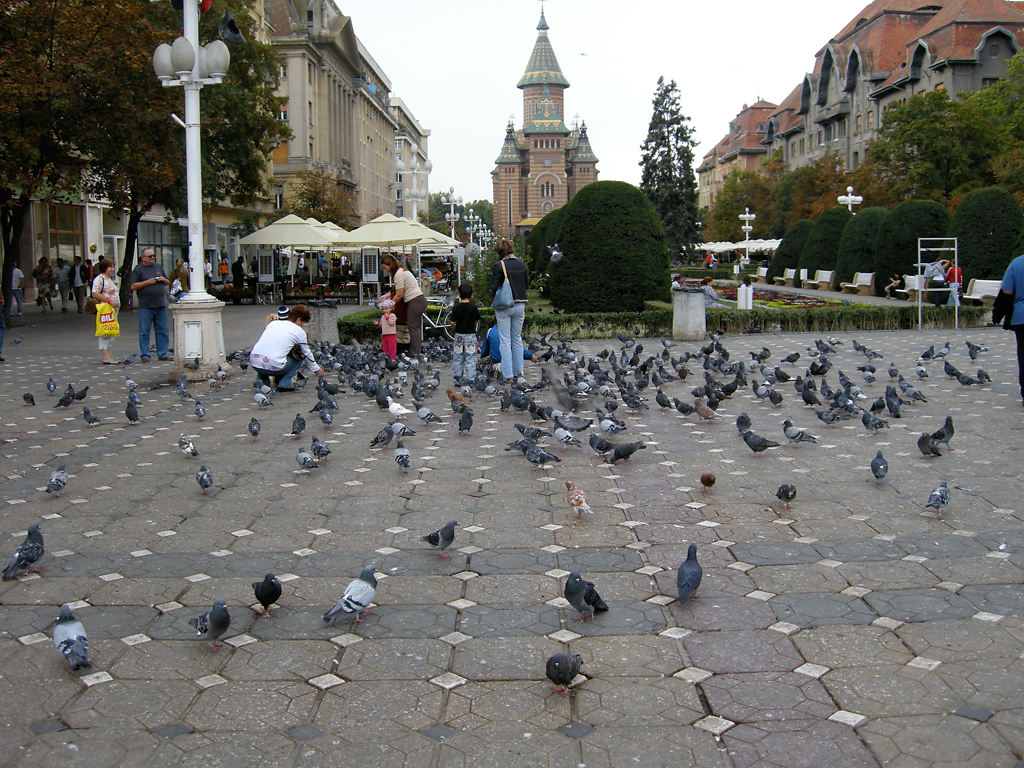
{"x":456,"y":63}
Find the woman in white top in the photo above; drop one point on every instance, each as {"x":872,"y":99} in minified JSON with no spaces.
{"x":282,"y":349}
{"x":407,"y":289}
{"x":104,"y":289}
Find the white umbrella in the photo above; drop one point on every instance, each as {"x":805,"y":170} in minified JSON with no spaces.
{"x":290,"y":230}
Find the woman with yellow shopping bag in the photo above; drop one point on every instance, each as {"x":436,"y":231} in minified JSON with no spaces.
{"x":104,"y":291}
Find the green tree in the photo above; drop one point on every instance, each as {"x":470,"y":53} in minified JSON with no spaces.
{"x":788,"y":253}
{"x":544,"y":234}
{"x":667,"y":176}
{"x":857,"y":245}
{"x":740,"y":190}
{"x":987,"y":225}
{"x":896,"y":245}
{"x":931,"y":145}
{"x":482,"y":208}
{"x":315,"y":193}
{"x":819,"y":252}
{"x":615,"y":256}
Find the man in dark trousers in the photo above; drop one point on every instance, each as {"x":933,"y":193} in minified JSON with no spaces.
{"x":238,"y":274}
{"x":150,"y":284}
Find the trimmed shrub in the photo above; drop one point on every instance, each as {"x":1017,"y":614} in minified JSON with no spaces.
{"x":857,"y":245}
{"x":541,"y":236}
{"x":615,"y":256}
{"x":987,"y":226}
{"x":788,"y":253}
{"x":819,"y":251}
{"x":896,"y":244}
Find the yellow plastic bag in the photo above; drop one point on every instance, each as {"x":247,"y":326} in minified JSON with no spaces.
{"x":106,"y":320}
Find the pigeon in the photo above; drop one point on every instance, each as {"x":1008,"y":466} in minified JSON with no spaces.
{"x":357,"y":597}
{"x":29,"y":400}
{"x":892,"y":401}
{"x":89,"y":417}
{"x":623,"y":451}
{"x":319,"y":449}
{"x":400,"y":430}
{"x":538,"y":456}
{"x":261,"y":400}
{"x":465,"y":422}
{"x":442,"y":538}
{"x":974,"y":349}
{"x":534,"y":433}
{"x":397,"y":409}
{"x":704,"y":410}
{"x":939,"y":497}
{"x":689,"y":575}
{"x":51,"y":385}
{"x":383,"y":437}
{"x":80,"y":394}
{"x":204,"y":478}
{"x":786,"y":493}
{"x":872,"y":422}
{"x":583,"y":597}
{"x":425,"y":414}
{"x":402,"y":457}
{"x":707,"y":481}
{"x":795,"y":434}
{"x":945,"y":433}
{"x":131,"y":413}
{"x":879,"y":467}
{"x":58,"y":479}
{"x":254,"y":427}
{"x":199,"y":410}
{"x":743,"y":422}
{"x":610,"y":427}
{"x":756,"y":443}
{"x":69,"y":638}
{"x":26,"y":555}
{"x":65,"y":401}
{"x":562,"y":669}
{"x":566,"y":438}
{"x":305,"y":459}
{"x":928,"y":446}
{"x":599,"y":444}
{"x":576,"y":498}
{"x":267,"y":592}
{"x":213,"y":624}
{"x":186,"y":445}
{"x":921,"y":371}
{"x":298,"y":424}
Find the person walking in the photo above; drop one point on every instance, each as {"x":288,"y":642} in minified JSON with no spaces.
{"x":150,"y":284}
{"x":43,"y":273}
{"x":955,"y":279}
{"x":464,"y":318}
{"x":407,"y":291}
{"x":18,"y":286}
{"x":62,"y":274}
{"x":104,"y":289}
{"x":510,"y":319}
{"x":1009,"y":309}
{"x":282,"y":349}
{"x":79,"y":282}
{"x":238,"y":274}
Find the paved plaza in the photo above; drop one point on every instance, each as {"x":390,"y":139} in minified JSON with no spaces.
{"x":857,"y":628}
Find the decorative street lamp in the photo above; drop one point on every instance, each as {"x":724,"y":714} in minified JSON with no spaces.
{"x":747,"y":217}
{"x":850,"y":199}
{"x":197,"y":318}
{"x":451,"y":201}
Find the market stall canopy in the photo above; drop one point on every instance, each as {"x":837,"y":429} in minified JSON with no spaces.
{"x":386,"y":230}
{"x":754,"y":245}
{"x":290,"y":230}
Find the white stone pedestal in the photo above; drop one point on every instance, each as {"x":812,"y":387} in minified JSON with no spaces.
{"x":197,"y":333}
{"x":688,"y":320}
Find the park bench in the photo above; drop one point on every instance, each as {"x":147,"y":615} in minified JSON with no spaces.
{"x":984,"y":291}
{"x":822,"y":280}
{"x":761,"y":276}
{"x":788,"y":276}
{"x":863,"y":284}
{"x":912,"y":284}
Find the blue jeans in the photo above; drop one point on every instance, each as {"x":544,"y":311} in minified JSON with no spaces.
{"x":464,"y":360}
{"x":158,"y":319}
{"x":283,"y":377}
{"x":510,"y":338}
{"x":16,"y":294}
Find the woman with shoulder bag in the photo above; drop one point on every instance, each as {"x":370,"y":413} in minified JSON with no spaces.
{"x":407,"y":291}
{"x":104,"y":291}
{"x":509,"y":319}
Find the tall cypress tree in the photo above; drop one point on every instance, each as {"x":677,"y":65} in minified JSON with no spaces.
{"x":668,"y":179}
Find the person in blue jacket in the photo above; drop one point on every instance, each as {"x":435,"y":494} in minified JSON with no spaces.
{"x":492,"y":347}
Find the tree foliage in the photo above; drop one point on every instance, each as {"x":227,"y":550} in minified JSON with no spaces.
{"x":544,"y":234}
{"x":857,"y":245}
{"x":615,"y":256}
{"x":667,"y":176}
{"x":788,"y":253}
{"x":896,"y":246}
{"x":819,"y":252}
{"x":315,"y":193}
{"x":987,"y":225}
{"x":740,"y":190}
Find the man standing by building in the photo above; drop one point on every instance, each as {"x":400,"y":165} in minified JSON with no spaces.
{"x":63,"y":275}
{"x":150,"y":284}
{"x":18,"y":286}
{"x":78,"y":282}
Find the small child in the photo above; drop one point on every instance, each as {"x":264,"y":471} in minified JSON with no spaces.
{"x":464,"y":318}
{"x":388,"y":323}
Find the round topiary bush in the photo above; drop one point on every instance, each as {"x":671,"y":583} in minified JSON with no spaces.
{"x":857,"y":245}
{"x":896,"y":244}
{"x":788,"y":253}
{"x":543,"y":235}
{"x":615,"y":256}
{"x":987,"y":226}
{"x":823,"y":241}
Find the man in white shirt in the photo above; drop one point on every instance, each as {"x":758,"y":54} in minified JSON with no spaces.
{"x":62,"y":273}
{"x":18,"y":286}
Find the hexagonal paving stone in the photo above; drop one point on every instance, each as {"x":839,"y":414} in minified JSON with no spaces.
{"x":498,"y":561}
{"x":816,"y":610}
{"x":767,"y":696}
{"x":796,"y":744}
{"x":942,"y":740}
{"x":482,"y":621}
{"x":920,"y":604}
{"x":742,"y":651}
{"x":629,"y":702}
{"x":859,"y":550}
{"x":775,"y":553}
{"x":598,"y":560}
{"x":941,"y":545}
{"x":1005,"y":599}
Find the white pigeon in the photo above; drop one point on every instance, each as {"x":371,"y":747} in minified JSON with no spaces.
{"x":397,"y":409}
{"x":186,"y":445}
{"x":358,"y":596}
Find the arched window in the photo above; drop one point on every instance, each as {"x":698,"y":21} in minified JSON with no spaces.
{"x":852,"y":71}
{"x":826,"y":77}
{"x":917,"y":61}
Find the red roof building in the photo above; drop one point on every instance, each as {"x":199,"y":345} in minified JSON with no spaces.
{"x":743,"y":149}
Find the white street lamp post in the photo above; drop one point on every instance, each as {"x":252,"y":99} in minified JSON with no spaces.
{"x":187,"y":64}
{"x":850,"y":199}
{"x":747,"y":217}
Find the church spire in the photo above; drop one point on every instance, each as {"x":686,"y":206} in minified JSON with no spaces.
{"x":542,"y":68}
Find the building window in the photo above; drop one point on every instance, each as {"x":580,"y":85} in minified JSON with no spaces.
{"x":398,"y":194}
{"x":399,"y":210}
{"x":398,"y":178}
{"x":67,"y":235}
{"x":871,"y":119}
{"x":168,"y":241}
{"x":857,"y":126}
{"x":855,"y":162}
{"x":940,"y":86}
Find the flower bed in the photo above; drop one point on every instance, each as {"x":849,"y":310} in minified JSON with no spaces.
{"x":779,"y":300}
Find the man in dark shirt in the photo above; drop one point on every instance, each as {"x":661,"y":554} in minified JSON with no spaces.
{"x":238,"y":274}
{"x":150,"y":285}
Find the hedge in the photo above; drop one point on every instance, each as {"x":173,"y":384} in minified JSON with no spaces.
{"x":656,"y":321}
{"x":896,"y":249}
{"x":986,"y":225}
{"x":819,"y":251}
{"x":857,"y":245}
{"x":788,"y":253}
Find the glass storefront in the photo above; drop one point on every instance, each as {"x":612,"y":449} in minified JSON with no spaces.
{"x":169,"y":242}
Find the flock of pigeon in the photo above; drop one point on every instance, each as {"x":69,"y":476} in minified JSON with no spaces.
{"x":597,"y":393}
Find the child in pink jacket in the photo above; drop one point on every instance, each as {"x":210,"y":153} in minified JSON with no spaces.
{"x":388,"y":321}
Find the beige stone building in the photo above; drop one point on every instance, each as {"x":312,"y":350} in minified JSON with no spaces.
{"x":412,"y":166}
{"x":741,"y":149}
